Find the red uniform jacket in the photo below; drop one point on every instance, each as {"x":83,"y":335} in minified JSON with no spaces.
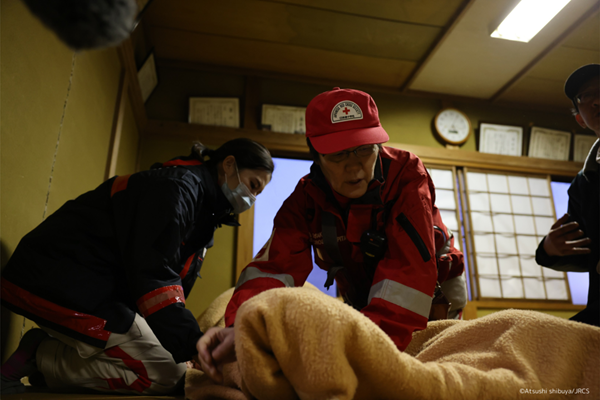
{"x":402,"y":197}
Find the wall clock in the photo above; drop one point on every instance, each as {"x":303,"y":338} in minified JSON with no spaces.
{"x":453,"y":126}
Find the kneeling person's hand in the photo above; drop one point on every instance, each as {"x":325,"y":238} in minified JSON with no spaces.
{"x":215,"y":348}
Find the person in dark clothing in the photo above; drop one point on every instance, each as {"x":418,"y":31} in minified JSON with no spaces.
{"x":106,"y":276}
{"x":573,"y":241}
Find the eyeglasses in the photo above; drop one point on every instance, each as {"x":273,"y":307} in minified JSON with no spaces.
{"x":588,"y":96}
{"x":360,"y":152}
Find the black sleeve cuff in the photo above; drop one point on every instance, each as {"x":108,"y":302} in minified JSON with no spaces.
{"x":542,"y":258}
{"x":190,"y":351}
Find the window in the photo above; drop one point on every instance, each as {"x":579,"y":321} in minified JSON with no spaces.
{"x":497,"y":219}
{"x":509,"y":214}
{"x":578,"y":282}
{"x":285,"y":178}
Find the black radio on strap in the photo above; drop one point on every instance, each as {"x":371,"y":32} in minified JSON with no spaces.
{"x":330,"y":242}
{"x":331,"y":246}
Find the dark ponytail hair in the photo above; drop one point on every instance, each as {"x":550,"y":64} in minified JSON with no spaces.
{"x":248,"y":154}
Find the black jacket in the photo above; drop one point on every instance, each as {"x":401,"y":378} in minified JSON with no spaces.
{"x":133,"y":245}
{"x":584,"y":206}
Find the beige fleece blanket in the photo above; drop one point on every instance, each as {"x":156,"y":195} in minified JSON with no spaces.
{"x":301,"y":344}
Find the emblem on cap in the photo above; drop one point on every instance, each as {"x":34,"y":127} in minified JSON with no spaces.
{"x":346,"y":111}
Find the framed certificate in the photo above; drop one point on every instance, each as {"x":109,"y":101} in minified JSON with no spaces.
{"x":215,"y":111}
{"x":283,"y":119}
{"x":501,"y":139}
{"x":549,"y":143}
{"x":582,"y":145}
{"x":147,"y":77}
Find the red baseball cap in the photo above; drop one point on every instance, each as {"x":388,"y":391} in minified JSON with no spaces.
{"x":341,"y":119}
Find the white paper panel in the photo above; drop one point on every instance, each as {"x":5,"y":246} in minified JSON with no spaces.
{"x":489,"y":287}
{"x":524,"y":224}
{"x":479,"y":201}
{"x":534,"y":289}
{"x":509,"y":266}
{"x":530,"y":268}
{"x":481,"y":222}
{"x":539,"y":187}
{"x":512,"y":288}
{"x":484,"y":243}
{"x":449,"y":219}
{"x":518,"y":185}
{"x":551,"y":273}
{"x":557,"y":289}
{"x":442,"y":178}
{"x":521,"y":205}
{"x":506,"y":244}
{"x":477,"y":181}
{"x":487,"y":265}
{"x":498,"y":183}
{"x":527,"y":245}
{"x":542,"y":206}
{"x":445,"y":199}
{"x":457,"y":242}
{"x":500,"y":203}
{"x":503,"y":223}
{"x":543,"y":225}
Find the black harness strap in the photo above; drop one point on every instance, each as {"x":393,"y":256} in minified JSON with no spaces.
{"x":331,"y":246}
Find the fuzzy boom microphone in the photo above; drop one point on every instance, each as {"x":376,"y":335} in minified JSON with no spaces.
{"x":87,"y":24}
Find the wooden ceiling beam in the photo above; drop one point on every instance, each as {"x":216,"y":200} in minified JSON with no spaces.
{"x":216,"y":135}
{"x":557,"y":42}
{"x":456,"y":18}
{"x":126,"y":55}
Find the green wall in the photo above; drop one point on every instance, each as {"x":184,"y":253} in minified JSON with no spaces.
{"x":35,"y":74}
{"x":407,"y":119}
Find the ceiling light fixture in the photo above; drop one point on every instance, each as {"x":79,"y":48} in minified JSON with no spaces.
{"x":528,"y":18}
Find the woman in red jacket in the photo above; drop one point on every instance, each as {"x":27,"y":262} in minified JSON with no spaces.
{"x":369,"y":213}
{"x":107,"y":275}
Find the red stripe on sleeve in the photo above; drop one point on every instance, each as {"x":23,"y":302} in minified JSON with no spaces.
{"x":174,"y":163}
{"x":160,"y":298}
{"x":85,"y":324}
{"x":186,"y":267}
{"x":119,"y":184}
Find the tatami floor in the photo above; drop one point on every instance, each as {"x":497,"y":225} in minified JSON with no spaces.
{"x":77,"y":396}
{"x":36,"y":394}
{"x":72,"y":396}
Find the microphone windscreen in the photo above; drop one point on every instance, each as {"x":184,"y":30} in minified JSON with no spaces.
{"x":87,"y":24}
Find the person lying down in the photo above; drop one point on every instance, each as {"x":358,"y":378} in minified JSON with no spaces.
{"x":295,"y":343}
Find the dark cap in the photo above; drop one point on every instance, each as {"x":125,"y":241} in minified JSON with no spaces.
{"x":578,"y":78}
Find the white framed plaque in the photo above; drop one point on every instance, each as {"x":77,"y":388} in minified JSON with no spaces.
{"x":215,"y":111}
{"x":501,"y":139}
{"x":147,"y":77}
{"x":284,"y":119}
{"x":582,"y":145}
{"x":549,"y":143}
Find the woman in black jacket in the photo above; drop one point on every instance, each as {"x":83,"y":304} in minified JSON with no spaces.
{"x":106,"y":276}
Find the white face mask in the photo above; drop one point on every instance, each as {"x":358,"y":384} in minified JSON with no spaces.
{"x":241,"y":198}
